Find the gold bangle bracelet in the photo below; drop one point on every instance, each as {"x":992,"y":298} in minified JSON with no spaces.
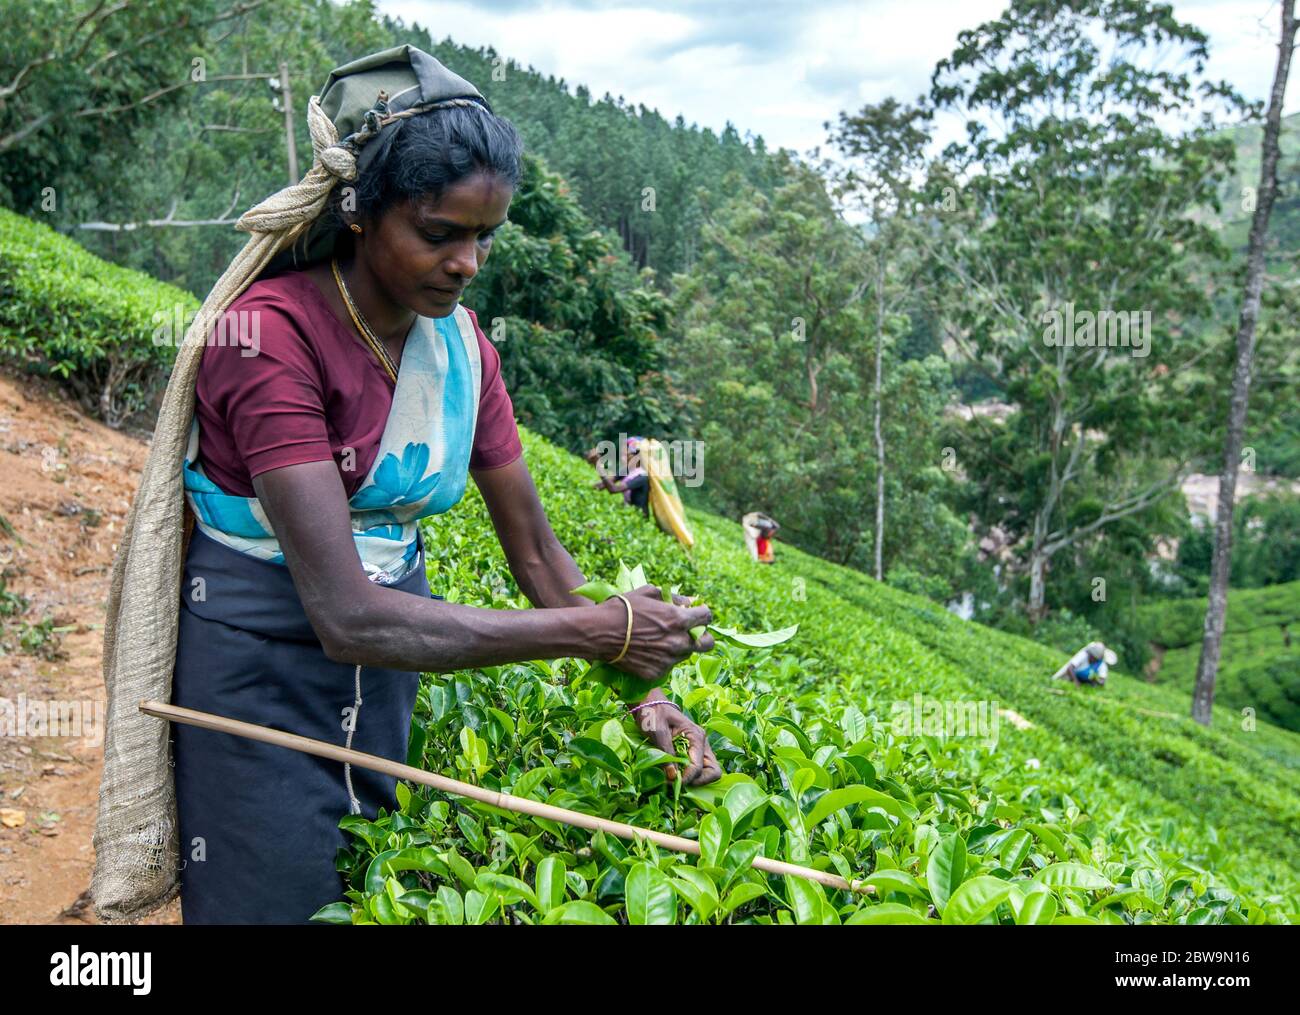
{"x":627,"y":638}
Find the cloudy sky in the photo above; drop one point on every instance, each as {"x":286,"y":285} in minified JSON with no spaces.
{"x":777,"y":68}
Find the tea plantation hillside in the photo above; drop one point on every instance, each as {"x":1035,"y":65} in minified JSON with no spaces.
{"x":1057,"y":805}
{"x":1260,"y":665}
{"x":888,"y":742}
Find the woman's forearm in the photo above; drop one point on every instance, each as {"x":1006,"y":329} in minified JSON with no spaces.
{"x":393,"y":629}
{"x":609,"y":483}
{"x":546,"y":573}
{"x":363,"y":623}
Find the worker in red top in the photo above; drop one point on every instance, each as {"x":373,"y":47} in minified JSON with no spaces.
{"x":759,"y":532}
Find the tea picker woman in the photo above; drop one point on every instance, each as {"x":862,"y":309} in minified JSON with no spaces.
{"x":1090,"y":665}
{"x":297,"y":599}
{"x":635,"y":484}
{"x":759,"y":531}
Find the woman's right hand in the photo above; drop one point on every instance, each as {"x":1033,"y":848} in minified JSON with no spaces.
{"x":661,"y":632}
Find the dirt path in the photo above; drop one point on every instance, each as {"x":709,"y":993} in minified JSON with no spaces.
{"x":65,"y":488}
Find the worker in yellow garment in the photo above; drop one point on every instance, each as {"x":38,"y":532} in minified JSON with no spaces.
{"x":665,"y":503}
{"x":648,"y":484}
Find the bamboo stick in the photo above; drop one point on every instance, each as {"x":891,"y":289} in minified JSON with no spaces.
{"x":504,"y":801}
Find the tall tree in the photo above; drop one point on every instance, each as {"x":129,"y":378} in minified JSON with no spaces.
{"x":153,"y":126}
{"x":89,"y":76}
{"x":157,"y":116}
{"x":579,"y":329}
{"x":885,"y":145}
{"x":632,"y":170}
{"x":1072,"y":191}
{"x":776,"y":350}
{"x":1221,"y":564}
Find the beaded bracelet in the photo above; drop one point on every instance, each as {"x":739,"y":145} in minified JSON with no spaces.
{"x":658,"y":701}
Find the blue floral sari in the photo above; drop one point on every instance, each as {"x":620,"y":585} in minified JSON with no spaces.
{"x":420,"y":468}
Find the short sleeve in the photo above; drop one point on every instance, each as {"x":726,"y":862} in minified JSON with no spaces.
{"x":269,"y":393}
{"x":496,"y":436}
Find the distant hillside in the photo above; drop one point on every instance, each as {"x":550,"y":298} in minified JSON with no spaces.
{"x":1128,"y":756}
{"x":1260,"y":665}
{"x":611,"y":150}
{"x":1284,"y":224}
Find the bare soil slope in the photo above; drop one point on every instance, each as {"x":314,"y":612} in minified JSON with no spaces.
{"x":66,"y":482}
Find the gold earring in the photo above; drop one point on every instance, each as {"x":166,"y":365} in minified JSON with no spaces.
{"x":355,"y":228}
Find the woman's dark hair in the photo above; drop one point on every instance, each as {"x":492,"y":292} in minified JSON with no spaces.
{"x":424,"y":155}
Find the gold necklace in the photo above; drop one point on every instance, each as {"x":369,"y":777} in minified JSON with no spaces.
{"x":371,"y":339}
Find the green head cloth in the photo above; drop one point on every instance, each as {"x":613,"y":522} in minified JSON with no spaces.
{"x":368,"y":101}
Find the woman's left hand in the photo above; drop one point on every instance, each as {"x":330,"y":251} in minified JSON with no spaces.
{"x":660,"y":724}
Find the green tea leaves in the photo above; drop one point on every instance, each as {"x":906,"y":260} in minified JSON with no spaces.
{"x":836,"y":799}
{"x":549,"y":887}
{"x":597,"y":591}
{"x":597,"y":754}
{"x":650,"y":896}
{"x":1072,"y":875}
{"x":816,"y":771}
{"x":945,"y":869}
{"x":887,"y":913}
{"x":975,"y":899}
{"x":579,"y":912}
{"x":764,"y":639}
{"x":631,"y":688}
{"x":743,"y":799}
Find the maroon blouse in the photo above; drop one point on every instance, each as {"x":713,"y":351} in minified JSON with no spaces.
{"x":312,"y":390}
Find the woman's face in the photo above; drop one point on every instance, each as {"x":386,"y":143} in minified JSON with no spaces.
{"x":422,"y":253}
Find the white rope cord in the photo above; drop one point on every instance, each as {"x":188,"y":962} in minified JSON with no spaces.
{"x":353,"y":802}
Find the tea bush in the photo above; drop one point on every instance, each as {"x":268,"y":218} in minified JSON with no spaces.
{"x":1259,"y":666}
{"x":68,"y":314}
{"x":1174,"y":623}
{"x":1106,"y":807}
{"x":1257,"y":670}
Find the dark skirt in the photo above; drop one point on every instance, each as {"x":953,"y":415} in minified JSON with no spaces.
{"x":259,"y":824}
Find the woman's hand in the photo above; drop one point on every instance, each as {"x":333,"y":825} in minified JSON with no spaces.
{"x":661,"y":632}
{"x":662,"y":723}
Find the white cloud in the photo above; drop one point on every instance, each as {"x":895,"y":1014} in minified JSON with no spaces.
{"x":780,"y":69}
